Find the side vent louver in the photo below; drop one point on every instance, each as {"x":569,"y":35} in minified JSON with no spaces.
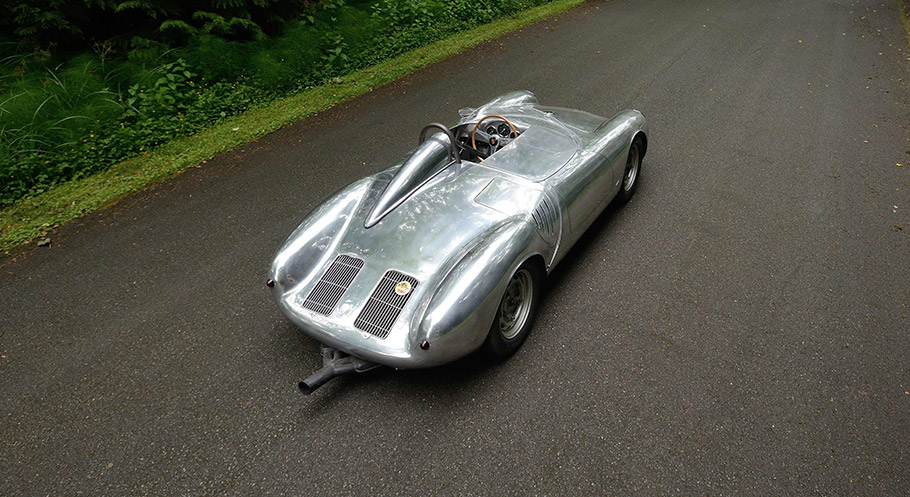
{"x":336,"y":280}
{"x":545,"y":217}
{"x":385,"y":303}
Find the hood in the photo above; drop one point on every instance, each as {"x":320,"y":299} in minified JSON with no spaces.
{"x":439,"y":221}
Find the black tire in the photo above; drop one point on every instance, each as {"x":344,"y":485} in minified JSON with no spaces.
{"x":631,"y":175}
{"x":515,"y":313}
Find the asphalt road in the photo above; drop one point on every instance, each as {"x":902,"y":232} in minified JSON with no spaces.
{"x":740,"y":327}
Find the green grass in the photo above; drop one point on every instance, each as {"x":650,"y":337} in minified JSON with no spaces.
{"x":34,"y":217}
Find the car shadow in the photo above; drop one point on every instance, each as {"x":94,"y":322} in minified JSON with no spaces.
{"x":456,"y":379}
{"x":597,"y":228}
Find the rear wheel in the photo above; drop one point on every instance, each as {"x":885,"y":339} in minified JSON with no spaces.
{"x":631,"y":174}
{"x":515,"y":314}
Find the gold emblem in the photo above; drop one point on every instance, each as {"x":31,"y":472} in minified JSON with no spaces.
{"x":403,"y":288}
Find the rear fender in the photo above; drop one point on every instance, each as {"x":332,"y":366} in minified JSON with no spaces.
{"x":315,"y":238}
{"x":459,"y":313}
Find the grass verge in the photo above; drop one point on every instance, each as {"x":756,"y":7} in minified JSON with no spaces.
{"x":34,"y":217}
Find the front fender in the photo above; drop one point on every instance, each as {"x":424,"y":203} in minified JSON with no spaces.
{"x":461,"y":309}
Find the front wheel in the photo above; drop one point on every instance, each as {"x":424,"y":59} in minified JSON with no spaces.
{"x":515,"y":314}
{"x":630,"y":175}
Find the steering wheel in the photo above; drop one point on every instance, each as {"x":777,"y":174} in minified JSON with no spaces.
{"x":492,"y":145}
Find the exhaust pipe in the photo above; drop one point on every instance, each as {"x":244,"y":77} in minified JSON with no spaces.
{"x":334,"y":363}
{"x":325,"y":374}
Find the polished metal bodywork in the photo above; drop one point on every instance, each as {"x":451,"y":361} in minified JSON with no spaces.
{"x":460,"y":229}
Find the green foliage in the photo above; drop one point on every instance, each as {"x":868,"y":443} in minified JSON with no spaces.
{"x":32,"y":217}
{"x":76,"y":23}
{"x":331,"y":4}
{"x":43,"y":116}
{"x":64,"y":117}
{"x":334,"y":51}
{"x":171,"y":92}
{"x":404,"y":12}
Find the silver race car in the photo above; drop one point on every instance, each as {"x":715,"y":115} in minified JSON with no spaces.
{"x":445,"y":251}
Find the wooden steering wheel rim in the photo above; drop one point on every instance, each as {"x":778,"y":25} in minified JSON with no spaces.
{"x":484,"y":118}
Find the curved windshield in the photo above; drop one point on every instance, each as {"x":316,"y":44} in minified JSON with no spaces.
{"x":536,"y":154}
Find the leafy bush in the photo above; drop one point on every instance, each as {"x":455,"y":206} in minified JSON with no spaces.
{"x":66,"y":116}
{"x":83,"y":22}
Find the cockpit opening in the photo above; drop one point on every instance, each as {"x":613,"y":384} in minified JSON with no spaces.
{"x":479,"y":140}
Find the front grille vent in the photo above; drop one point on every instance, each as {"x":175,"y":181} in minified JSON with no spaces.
{"x":386,"y":302}
{"x":545,"y":217}
{"x":336,"y":280}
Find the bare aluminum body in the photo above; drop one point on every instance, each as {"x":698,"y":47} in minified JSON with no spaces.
{"x":461,"y":231}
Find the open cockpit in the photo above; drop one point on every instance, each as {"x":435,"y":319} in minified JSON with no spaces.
{"x":529,"y":148}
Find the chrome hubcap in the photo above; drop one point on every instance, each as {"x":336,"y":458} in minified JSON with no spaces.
{"x":516,"y":304}
{"x":631,"y":169}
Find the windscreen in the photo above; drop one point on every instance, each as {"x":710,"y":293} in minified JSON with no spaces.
{"x":536,"y":154}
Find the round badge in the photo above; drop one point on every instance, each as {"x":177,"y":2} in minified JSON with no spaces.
{"x":403,"y":288}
